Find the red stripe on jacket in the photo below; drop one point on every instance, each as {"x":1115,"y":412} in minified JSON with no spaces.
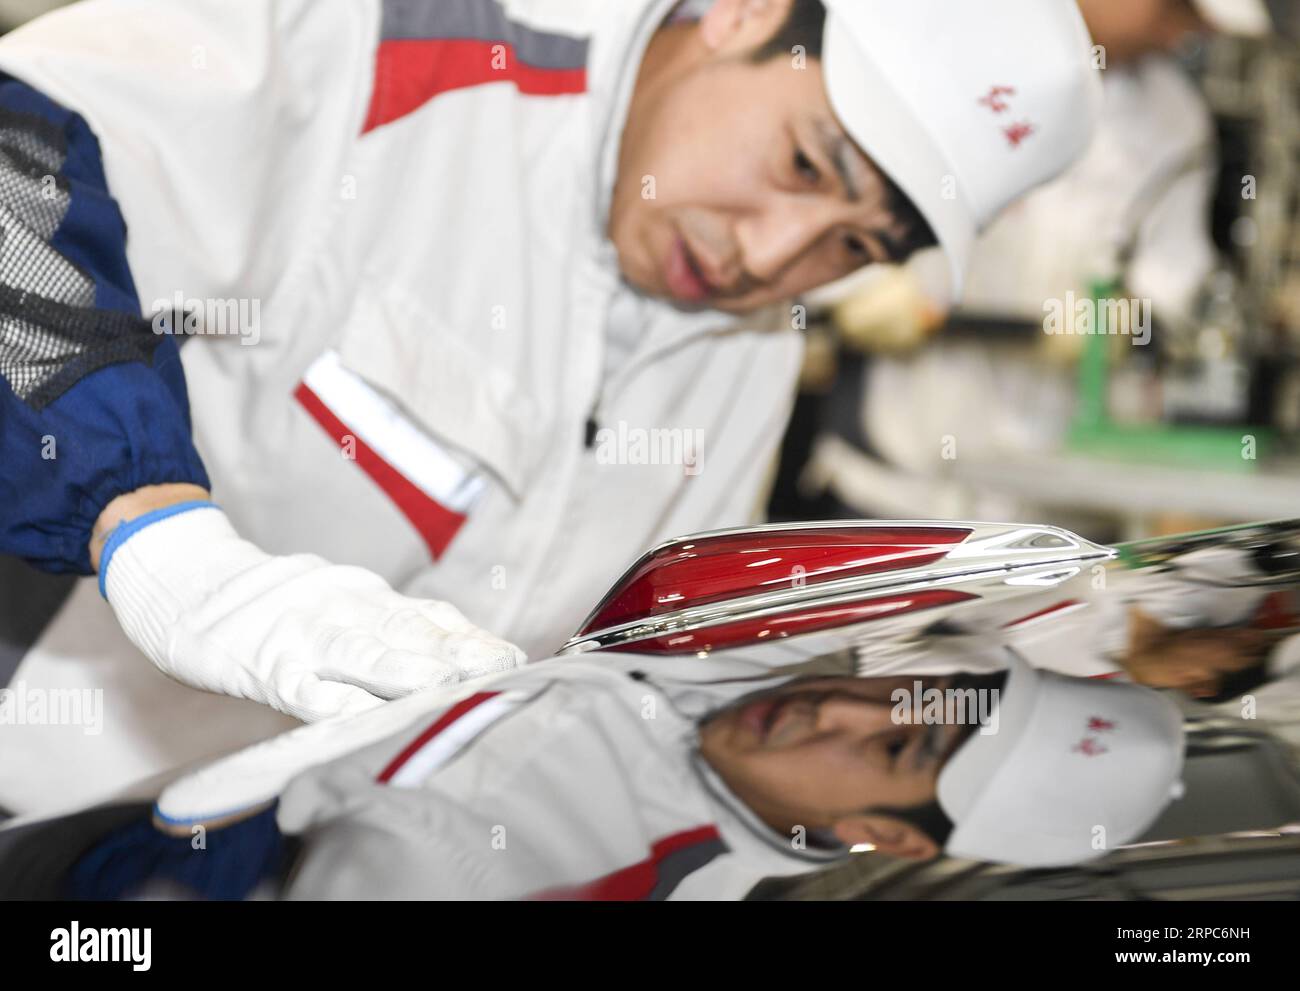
{"x":436,"y":524}
{"x":439,"y":724}
{"x":410,"y":72}
{"x":636,"y":881}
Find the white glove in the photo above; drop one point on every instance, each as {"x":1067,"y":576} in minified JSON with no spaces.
{"x":296,"y":633}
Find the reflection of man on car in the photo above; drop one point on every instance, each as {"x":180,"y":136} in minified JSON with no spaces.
{"x":1212,"y":621}
{"x":1204,"y":662}
{"x":633,"y":777}
{"x":1212,"y":615}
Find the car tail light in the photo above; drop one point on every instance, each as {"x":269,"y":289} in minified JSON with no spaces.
{"x":711,"y":569}
{"x":735,"y":588}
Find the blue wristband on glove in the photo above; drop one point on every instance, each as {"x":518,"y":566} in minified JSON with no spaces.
{"x":128,"y":528}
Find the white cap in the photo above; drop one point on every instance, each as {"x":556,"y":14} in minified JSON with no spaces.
{"x":965,"y":106}
{"x":1244,"y":17}
{"x":1077,"y":767}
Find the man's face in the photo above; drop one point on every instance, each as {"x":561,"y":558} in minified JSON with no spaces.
{"x":737,"y":187}
{"x":822,"y":752}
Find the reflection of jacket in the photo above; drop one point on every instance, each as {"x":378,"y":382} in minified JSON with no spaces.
{"x":572,"y":778}
{"x":425,"y":245}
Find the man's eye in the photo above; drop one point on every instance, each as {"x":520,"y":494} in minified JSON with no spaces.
{"x":895,"y":747}
{"x":857,"y":247}
{"x":803,"y":165}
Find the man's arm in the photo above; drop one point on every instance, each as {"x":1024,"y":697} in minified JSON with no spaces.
{"x":93,"y":404}
{"x":99,"y":469}
{"x":131,"y":505}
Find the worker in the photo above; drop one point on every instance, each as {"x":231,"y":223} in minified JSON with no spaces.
{"x":429,"y":261}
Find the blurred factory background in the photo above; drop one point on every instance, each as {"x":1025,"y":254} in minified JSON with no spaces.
{"x":1126,"y":358}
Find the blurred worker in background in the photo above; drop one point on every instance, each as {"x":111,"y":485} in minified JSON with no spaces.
{"x":1133,"y":214}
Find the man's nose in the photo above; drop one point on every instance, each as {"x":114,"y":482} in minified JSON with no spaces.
{"x":852,"y":715}
{"x":773,"y":240}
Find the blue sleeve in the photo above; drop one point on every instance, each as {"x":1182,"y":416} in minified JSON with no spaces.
{"x":92,"y":400}
{"x":234,"y":861}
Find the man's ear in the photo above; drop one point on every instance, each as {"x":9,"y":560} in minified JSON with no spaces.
{"x":741,"y":23}
{"x":888,"y":835}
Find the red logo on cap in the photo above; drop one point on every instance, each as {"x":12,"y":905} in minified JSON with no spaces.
{"x":1089,"y":747}
{"x":1017,"y":133}
{"x":995,"y":102}
{"x":998,"y":102}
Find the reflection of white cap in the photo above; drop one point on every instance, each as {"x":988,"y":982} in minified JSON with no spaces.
{"x":965,"y":106}
{"x":1244,"y":17}
{"x":1069,"y":755}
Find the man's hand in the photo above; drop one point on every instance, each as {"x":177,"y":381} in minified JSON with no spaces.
{"x":296,"y":633}
{"x":1195,"y":660}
